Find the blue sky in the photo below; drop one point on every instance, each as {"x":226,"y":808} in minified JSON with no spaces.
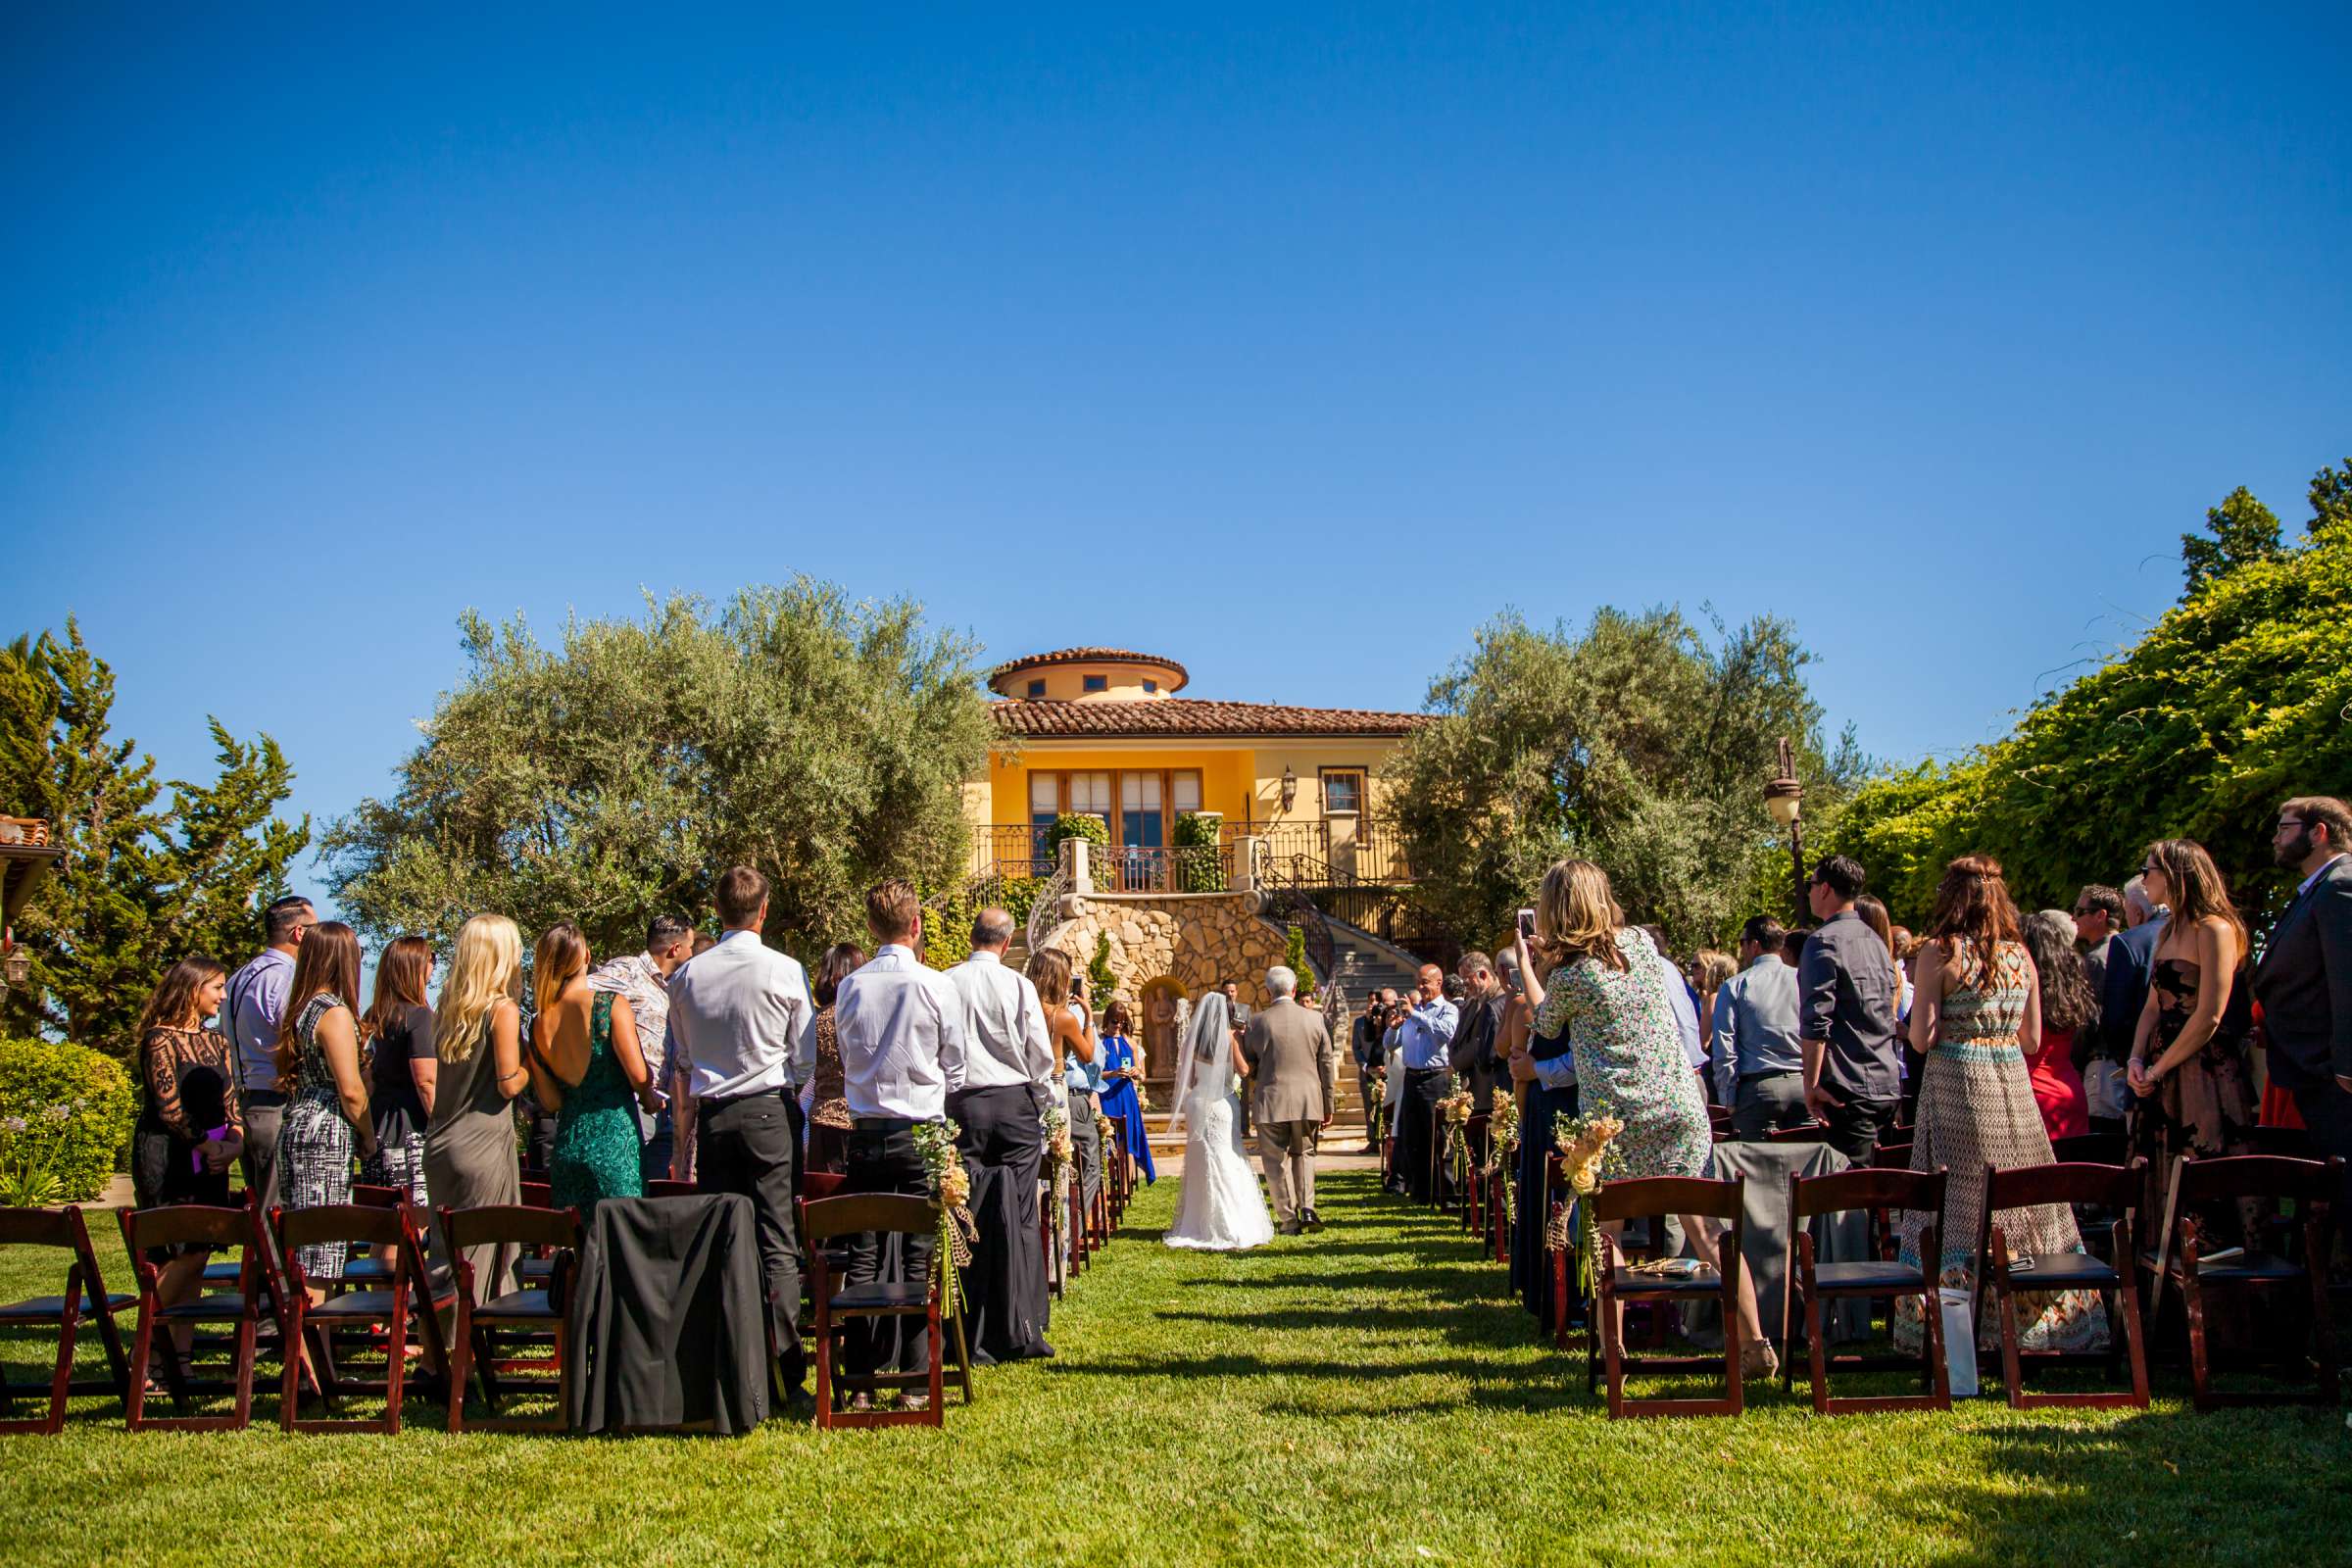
{"x":1293,"y":347}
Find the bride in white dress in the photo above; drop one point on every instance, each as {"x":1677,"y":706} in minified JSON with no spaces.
{"x":1218,"y":1208}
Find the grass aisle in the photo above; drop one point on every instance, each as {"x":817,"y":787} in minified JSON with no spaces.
{"x":1366,"y":1396}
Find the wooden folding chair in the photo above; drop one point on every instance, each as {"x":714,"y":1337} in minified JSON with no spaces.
{"x":1655,"y":1198}
{"x":85,"y":1295}
{"x":2091,"y":1149}
{"x":886,"y":1213}
{"x":1870,"y":1279}
{"x":545,"y":1309}
{"x":2001,"y":1275}
{"x":1812,"y":1131}
{"x":389,"y":1307}
{"x":186,"y":1223}
{"x":2310,"y":1186}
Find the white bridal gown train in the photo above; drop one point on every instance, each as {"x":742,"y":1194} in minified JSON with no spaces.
{"x":1218,"y":1205}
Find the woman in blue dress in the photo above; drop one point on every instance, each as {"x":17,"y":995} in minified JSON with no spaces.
{"x":1122,"y":1084}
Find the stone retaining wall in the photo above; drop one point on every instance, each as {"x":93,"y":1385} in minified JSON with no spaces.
{"x":1201,"y":939}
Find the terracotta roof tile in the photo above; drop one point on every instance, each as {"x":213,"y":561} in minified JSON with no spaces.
{"x":1182,"y":715}
{"x":1087,"y":656}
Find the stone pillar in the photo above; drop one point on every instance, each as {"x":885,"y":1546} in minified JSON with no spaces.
{"x":1076,"y":868}
{"x":1246,"y":852}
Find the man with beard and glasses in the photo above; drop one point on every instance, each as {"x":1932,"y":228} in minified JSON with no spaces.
{"x":2304,"y":981}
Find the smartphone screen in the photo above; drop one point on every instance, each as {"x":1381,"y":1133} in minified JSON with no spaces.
{"x":1527,"y":924}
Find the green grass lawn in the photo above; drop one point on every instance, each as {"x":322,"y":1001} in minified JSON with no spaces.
{"x":1370,"y":1395}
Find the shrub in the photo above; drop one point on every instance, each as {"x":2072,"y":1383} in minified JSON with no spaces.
{"x":1102,"y":982}
{"x":1079,"y":825}
{"x":1197,"y":866}
{"x":1293,"y":958}
{"x":65,"y":1114}
{"x":948,"y":916}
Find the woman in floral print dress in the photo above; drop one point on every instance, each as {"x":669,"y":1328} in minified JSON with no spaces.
{"x":1609,"y":993}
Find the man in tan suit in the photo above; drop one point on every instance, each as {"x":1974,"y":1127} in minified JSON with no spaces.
{"x":1296,"y":1067}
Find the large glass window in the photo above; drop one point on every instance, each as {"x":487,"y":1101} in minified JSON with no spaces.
{"x":1342,"y":790}
{"x":1139,"y":820}
{"x":1187,"y":782}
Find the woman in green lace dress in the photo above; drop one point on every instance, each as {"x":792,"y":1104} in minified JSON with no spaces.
{"x":586,"y":1063}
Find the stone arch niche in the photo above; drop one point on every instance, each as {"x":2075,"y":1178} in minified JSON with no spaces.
{"x":1162,"y":1024}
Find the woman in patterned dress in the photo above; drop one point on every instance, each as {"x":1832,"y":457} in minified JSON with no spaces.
{"x":1608,"y":990}
{"x":587,"y":1066}
{"x":318,"y":1055}
{"x":825,"y":1100}
{"x":192,"y":1125}
{"x":1977,"y":1018}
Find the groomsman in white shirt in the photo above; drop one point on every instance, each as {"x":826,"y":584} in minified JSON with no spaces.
{"x":1007,"y":1077}
{"x":743,"y":1038}
{"x":899,"y":1026}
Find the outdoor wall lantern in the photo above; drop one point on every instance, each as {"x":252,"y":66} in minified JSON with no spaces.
{"x":1290,"y":787}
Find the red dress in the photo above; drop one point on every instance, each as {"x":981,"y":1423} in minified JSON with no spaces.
{"x":2057,"y":1087}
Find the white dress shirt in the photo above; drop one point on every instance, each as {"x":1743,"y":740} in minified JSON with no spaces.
{"x":899,"y":1026}
{"x":1005,"y":1041}
{"x":741,"y":1021}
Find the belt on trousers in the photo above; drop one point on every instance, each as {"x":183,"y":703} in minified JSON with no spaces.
{"x":1747,"y":1078}
{"x":882,"y":1124}
{"x":722,"y":1102}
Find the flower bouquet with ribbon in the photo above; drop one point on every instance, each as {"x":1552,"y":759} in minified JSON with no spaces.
{"x":1583,"y":1146}
{"x":1455,"y":1108}
{"x":935,"y":1142}
{"x":1056,"y":1124}
{"x":1502,"y":1142}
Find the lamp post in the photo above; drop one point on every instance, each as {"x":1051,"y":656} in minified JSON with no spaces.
{"x":1783,"y":797}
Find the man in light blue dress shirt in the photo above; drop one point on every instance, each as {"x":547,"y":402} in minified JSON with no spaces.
{"x":1759,"y":1058}
{"x":1423,"y":1039}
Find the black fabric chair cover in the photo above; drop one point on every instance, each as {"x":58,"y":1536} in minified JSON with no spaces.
{"x":671,"y":1327}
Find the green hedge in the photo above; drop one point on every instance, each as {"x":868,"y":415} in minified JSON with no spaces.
{"x":948,"y":918}
{"x":1294,"y":959}
{"x":1080,"y":825}
{"x":65,"y":1114}
{"x":1197,"y":866}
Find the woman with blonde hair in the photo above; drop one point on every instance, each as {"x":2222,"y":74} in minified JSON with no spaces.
{"x":477,"y":1038}
{"x":1977,"y":1019}
{"x":1608,"y":990}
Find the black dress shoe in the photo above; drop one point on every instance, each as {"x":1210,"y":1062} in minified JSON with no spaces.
{"x":1291,"y":1227}
{"x":1314,"y":1221}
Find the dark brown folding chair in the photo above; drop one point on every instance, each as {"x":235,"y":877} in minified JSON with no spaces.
{"x":406,"y":1294}
{"x":218,"y":1227}
{"x":555,"y":1233}
{"x":838,"y":1306}
{"x":2310,"y":1186}
{"x":1870,"y":1279}
{"x":1812,"y":1131}
{"x":1655,"y":1198}
{"x":85,"y":1296}
{"x":2001,"y":1275}
{"x":2091,"y":1149}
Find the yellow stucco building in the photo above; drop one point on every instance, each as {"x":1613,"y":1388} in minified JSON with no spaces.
{"x":1102,"y":732}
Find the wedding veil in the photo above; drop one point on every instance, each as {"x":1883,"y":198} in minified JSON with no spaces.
{"x":1204,"y":1054}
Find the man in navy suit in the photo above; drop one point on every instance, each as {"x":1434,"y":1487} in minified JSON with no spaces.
{"x":2304,"y":981}
{"x":2122,"y":996}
